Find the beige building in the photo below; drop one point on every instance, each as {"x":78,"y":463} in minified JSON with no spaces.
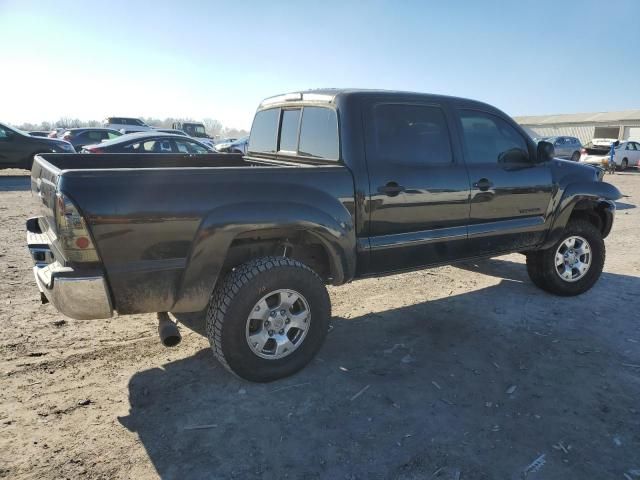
{"x":586,"y":126}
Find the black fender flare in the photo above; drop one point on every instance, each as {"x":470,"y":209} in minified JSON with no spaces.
{"x":331,"y":225}
{"x":599,"y":195}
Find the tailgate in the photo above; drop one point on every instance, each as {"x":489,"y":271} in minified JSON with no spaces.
{"x":44,"y":181}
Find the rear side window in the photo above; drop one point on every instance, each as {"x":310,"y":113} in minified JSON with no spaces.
{"x":151,"y":146}
{"x":319,"y":133}
{"x":490,"y":139}
{"x":185,"y":146}
{"x":289,"y":130}
{"x":411,"y":134}
{"x":264,"y":131}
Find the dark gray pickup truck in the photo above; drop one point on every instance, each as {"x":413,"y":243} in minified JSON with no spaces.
{"x":336,"y":185}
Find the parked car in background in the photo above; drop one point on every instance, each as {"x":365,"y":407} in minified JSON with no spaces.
{"x":79,"y":137}
{"x":172,"y":131}
{"x":56,"y":132}
{"x":126,"y":124}
{"x":626,"y":154}
{"x":147,"y":142}
{"x":195,"y":130}
{"x":39,"y":133}
{"x":238,"y":146}
{"x":565,"y":147}
{"x":225,"y":140}
{"x":17,"y":148}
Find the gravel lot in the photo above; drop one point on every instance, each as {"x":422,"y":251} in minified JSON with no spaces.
{"x":465,"y":372}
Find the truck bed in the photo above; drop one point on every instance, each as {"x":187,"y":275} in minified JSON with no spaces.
{"x":157,"y":219}
{"x":87,"y":161}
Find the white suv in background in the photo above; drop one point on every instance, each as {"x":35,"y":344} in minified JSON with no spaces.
{"x":126,"y":124}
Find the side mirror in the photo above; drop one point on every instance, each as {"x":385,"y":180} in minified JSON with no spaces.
{"x":545,"y":151}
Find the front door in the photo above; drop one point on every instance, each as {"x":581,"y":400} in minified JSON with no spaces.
{"x":419,"y":189}
{"x":510,"y":191}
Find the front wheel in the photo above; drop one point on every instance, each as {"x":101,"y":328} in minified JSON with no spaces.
{"x":268,"y":318}
{"x":624,"y":165}
{"x":575,"y":157}
{"x":573,"y":264}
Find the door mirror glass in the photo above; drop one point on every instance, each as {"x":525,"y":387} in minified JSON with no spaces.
{"x":545,"y":152}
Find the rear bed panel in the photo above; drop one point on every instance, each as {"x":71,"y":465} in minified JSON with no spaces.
{"x":145,"y":221}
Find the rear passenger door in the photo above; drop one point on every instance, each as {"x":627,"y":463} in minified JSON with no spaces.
{"x":419,"y":188}
{"x":510,"y":191}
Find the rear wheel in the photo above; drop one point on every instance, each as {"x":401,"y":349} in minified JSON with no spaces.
{"x":575,"y":157}
{"x":573,"y":264}
{"x":268,"y":318}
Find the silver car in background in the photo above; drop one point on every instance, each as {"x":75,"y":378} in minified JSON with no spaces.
{"x":565,"y":147}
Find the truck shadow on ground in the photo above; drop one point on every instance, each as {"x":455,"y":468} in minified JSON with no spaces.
{"x":15,"y":183}
{"x":480,"y":383}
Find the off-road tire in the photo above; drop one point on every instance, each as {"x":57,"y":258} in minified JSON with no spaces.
{"x":541,"y":264}
{"x":231,"y":303}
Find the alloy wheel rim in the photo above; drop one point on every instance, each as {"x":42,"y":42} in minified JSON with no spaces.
{"x":278,"y":324}
{"x":573,"y":258}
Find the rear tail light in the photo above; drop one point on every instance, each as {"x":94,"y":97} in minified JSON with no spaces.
{"x":583,"y":151}
{"x":73,"y":235}
{"x":94,"y":150}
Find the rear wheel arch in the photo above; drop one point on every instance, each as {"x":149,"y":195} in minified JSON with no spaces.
{"x":305,"y":246}
{"x":221,"y":246}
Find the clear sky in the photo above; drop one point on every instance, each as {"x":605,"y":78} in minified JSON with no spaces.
{"x":218,"y":59}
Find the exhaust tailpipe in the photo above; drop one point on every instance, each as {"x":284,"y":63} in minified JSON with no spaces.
{"x":168,"y":330}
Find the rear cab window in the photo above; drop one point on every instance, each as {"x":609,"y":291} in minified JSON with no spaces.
{"x":306,"y":131}
{"x":289,"y":131}
{"x":264,"y":131}
{"x":319,"y":133}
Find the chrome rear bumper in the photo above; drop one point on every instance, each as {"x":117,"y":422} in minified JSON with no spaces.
{"x":74,"y":294}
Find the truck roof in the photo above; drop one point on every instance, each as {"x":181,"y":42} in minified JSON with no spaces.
{"x":334,"y":95}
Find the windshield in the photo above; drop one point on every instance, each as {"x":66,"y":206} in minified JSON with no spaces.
{"x":200,"y":130}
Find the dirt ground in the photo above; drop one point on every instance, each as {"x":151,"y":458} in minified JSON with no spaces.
{"x":465,"y":372}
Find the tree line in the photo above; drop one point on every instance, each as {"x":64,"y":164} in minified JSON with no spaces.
{"x":214,"y":128}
